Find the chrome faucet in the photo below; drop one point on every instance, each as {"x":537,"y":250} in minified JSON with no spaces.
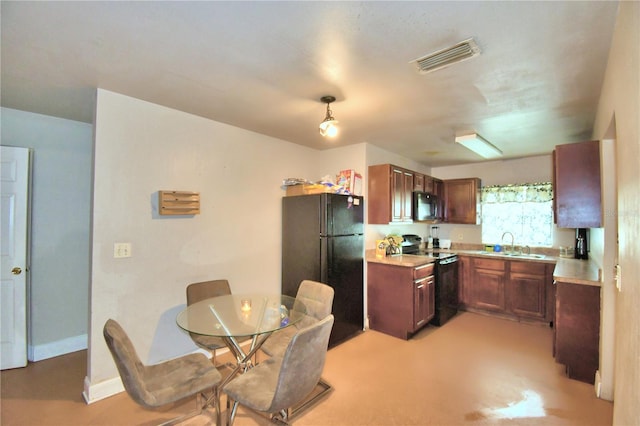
{"x":512,"y":238}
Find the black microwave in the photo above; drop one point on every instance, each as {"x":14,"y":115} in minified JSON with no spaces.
{"x":425,"y":206}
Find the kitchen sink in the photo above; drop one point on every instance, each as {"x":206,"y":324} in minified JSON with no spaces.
{"x":526,"y":256}
{"x":506,"y":254}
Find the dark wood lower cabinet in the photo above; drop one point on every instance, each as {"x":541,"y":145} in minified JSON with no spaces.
{"x":525,"y":291}
{"x":423,"y":301}
{"x":577,"y":329}
{"x":400,"y":299}
{"x":521,"y":290}
{"x":526,"y":295}
{"x":529,"y":283}
{"x":488,"y":287}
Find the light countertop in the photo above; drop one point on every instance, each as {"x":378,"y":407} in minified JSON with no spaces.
{"x":574,"y":271}
{"x":408,"y":260}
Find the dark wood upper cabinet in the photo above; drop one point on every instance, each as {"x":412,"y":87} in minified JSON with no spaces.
{"x":407,"y":197}
{"x":437,"y":187}
{"x":438,"y":190}
{"x":397,"y":195}
{"x":390,"y":194}
{"x":418,"y":182}
{"x":577,"y":185}
{"x":462,"y":201}
{"x":428,"y":185}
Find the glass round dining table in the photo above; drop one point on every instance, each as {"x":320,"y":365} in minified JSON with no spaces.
{"x":240,"y":315}
{"x":231,"y":317}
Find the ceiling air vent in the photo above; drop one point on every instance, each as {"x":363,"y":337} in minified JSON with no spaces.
{"x":460,"y":52}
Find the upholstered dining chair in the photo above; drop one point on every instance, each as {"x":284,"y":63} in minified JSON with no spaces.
{"x":278,"y":383}
{"x":205,"y":290}
{"x":161,"y":384}
{"x":317,"y":299}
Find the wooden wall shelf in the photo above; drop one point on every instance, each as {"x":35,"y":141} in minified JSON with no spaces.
{"x":172,"y":203}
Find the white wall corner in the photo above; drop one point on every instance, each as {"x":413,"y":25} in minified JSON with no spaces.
{"x":57,"y":348}
{"x":96,"y":392}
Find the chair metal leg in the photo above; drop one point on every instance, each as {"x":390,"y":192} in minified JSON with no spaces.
{"x":232,"y":407}
{"x":280,"y":418}
{"x":216,"y":403}
{"x":199,"y":409}
{"x":202,"y":402}
{"x":311,"y":400}
{"x":231,"y":411}
{"x":285,"y":416}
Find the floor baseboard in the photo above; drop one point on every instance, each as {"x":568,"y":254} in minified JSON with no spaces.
{"x":102,"y":390}
{"x":53,"y":349}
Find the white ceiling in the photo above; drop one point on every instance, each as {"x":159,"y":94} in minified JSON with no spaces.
{"x":264,"y":66}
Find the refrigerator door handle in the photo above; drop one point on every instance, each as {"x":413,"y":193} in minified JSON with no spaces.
{"x":325,"y":255}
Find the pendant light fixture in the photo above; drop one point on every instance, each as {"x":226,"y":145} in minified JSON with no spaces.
{"x":328,"y":126}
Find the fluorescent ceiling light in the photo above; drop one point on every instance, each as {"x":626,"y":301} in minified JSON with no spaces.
{"x":479,"y":145}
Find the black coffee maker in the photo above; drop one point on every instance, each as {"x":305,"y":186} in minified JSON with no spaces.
{"x":582,"y":246}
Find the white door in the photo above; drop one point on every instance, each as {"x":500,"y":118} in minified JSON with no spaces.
{"x":14,"y":170}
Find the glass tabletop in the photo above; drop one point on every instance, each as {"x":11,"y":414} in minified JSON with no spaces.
{"x":240,"y":315}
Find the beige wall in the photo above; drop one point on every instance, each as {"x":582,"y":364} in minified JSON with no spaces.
{"x":141,"y":148}
{"x":502,"y":172}
{"x":618,"y":118}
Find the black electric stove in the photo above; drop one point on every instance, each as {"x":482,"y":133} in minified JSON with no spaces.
{"x":446,"y":271}
{"x":411,"y":245}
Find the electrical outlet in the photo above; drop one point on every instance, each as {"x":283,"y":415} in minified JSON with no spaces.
{"x":460,"y":237}
{"x":121,"y":250}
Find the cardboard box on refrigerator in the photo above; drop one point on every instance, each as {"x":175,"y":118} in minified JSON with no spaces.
{"x":304,"y":189}
{"x":351,"y":181}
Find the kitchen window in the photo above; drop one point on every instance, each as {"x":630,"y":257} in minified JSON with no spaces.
{"x":525,"y":210}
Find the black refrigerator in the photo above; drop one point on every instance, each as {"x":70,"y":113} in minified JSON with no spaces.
{"x":322,"y":240}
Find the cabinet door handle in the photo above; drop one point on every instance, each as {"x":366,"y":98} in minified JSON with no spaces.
{"x":417,"y":268}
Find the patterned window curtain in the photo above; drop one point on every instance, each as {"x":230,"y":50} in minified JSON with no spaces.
{"x":525,"y":210}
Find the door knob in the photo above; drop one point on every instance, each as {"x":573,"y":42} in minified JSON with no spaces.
{"x":16,"y":271}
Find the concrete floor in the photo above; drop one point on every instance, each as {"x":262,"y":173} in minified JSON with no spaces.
{"x":474,"y":370}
